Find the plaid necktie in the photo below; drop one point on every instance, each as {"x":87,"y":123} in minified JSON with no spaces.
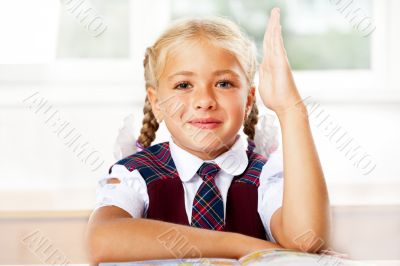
{"x":208,"y":207}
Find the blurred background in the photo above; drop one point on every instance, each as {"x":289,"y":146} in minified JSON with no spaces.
{"x":71,"y":74}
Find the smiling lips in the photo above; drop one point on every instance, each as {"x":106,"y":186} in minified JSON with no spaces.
{"x":205,"y":123}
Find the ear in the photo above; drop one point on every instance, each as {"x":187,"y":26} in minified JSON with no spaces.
{"x":153,"y":99}
{"x":250,"y":99}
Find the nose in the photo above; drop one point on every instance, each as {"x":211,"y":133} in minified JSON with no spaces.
{"x":204,"y":98}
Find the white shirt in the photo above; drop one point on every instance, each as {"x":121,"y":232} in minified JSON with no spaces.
{"x":131,"y":193}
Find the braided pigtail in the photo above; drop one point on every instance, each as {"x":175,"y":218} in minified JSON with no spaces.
{"x":249,"y":127}
{"x":149,"y":126}
{"x":149,"y":122}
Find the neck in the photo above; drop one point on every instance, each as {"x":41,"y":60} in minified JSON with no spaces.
{"x":209,"y":154}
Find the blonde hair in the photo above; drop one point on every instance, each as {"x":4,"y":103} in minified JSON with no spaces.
{"x":216,"y":30}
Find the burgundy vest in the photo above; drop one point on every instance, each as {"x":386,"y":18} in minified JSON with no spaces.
{"x":166,"y":193}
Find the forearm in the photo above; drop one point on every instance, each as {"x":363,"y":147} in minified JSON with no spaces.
{"x":305,"y":208}
{"x":127,"y":239}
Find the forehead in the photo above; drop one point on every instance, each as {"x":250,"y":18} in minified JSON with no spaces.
{"x":200,"y":57}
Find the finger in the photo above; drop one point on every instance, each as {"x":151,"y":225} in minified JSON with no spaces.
{"x":268,"y":36}
{"x":278,"y":45}
{"x":276,"y":41}
{"x":275,"y":14}
{"x":281,"y":43}
{"x":276,"y":25}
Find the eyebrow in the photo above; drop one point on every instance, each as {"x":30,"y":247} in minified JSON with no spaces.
{"x":215,"y":73}
{"x":181,"y":73}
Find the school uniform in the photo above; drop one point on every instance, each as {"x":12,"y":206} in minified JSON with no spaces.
{"x":161,"y":181}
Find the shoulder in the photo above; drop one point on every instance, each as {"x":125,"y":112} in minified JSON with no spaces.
{"x":274,"y":163}
{"x":124,"y":189}
{"x":251,"y":175}
{"x":153,"y":163}
{"x":145,"y":157}
{"x":256,"y":160}
{"x":272,"y":170}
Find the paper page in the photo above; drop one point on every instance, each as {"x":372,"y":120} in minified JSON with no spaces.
{"x":174,"y":262}
{"x":284,"y":257}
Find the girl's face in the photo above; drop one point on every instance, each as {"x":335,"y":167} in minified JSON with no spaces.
{"x":202,"y":96}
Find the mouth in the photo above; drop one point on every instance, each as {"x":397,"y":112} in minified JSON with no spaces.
{"x":205,"y":123}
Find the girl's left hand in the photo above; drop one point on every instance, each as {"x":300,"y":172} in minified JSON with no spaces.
{"x":276,"y":85}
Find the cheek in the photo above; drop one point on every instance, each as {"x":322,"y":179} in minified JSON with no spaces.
{"x":235,"y":106}
{"x":174,"y":107}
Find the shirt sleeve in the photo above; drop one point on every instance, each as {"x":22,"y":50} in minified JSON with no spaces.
{"x":130,"y":194}
{"x":270,"y":191}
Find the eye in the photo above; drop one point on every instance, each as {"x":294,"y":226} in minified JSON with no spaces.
{"x":224,"y":84}
{"x":182,"y":85}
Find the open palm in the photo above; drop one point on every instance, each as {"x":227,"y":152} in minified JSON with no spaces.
{"x":276,"y":85}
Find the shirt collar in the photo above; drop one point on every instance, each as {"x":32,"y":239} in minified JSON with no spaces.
{"x":233,"y":162}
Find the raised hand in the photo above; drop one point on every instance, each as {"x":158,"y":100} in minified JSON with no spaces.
{"x":276,"y":85}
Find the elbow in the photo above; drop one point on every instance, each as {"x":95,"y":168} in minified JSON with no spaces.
{"x":310,"y":241}
{"x":96,"y":247}
{"x":316,"y":244}
{"x":103,"y":246}
{"x":311,"y":237}
{"x":316,"y":248}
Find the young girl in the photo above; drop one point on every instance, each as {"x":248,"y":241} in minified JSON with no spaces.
{"x":206,"y":186}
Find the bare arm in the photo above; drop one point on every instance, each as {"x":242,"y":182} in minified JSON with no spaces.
{"x":113,"y":235}
{"x":303,"y":220}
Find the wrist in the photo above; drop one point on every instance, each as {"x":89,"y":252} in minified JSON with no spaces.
{"x":297,"y":110}
{"x":236,"y":243}
{"x":243,"y":245}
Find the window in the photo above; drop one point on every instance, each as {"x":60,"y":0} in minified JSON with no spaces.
{"x":86,"y":60}
{"x":331,"y":45}
{"x":319,"y":30}
{"x":99,"y":30}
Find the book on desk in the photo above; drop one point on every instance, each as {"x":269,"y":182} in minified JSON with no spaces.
{"x":273,"y":257}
